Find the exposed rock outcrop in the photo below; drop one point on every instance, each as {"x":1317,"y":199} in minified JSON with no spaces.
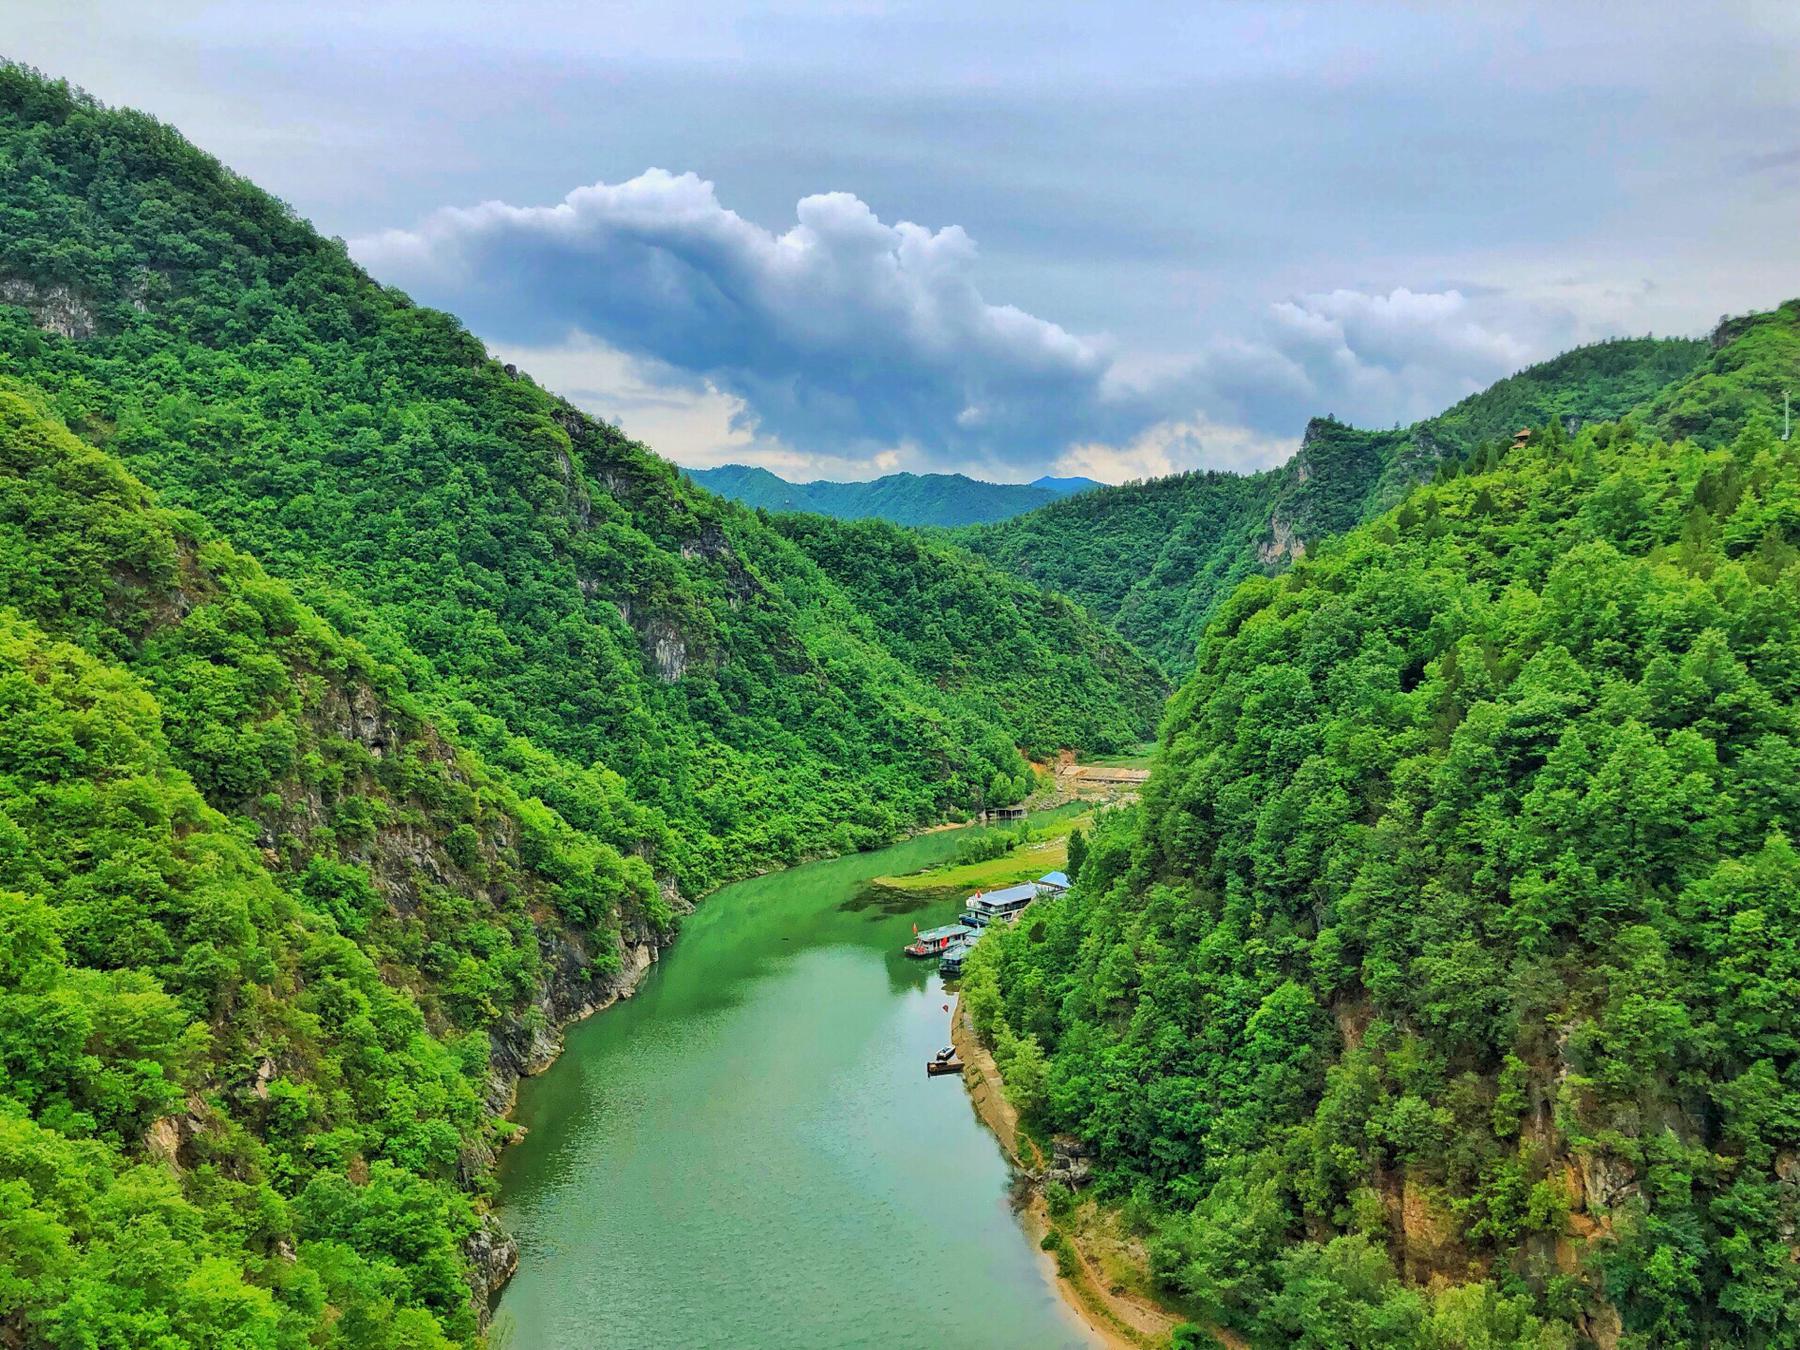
{"x":667,"y":650}
{"x":493,"y":1260}
{"x":54,"y":308}
{"x":1071,"y":1162}
{"x":1283,"y":545}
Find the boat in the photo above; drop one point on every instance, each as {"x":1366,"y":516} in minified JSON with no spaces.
{"x":951,"y":962}
{"x":933,"y":941}
{"x":945,"y":1061}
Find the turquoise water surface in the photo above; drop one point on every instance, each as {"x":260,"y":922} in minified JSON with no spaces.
{"x":749,"y":1154}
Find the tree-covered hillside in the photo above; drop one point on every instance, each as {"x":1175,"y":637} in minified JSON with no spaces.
{"x":539,"y":576}
{"x":944,"y":499}
{"x":977,"y":631}
{"x":1445,"y":991}
{"x":1155,"y":558}
{"x":273,"y":948}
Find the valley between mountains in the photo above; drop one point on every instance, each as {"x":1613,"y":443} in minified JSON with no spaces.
{"x":370,"y":714}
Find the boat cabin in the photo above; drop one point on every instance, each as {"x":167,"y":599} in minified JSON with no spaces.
{"x":951,"y":962}
{"x":1006,"y":904}
{"x":933,"y":940}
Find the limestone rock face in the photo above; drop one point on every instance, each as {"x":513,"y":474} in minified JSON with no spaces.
{"x":493,"y":1258}
{"x":668,"y":652}
{"x":1605,"y":1180}
{"x":55,"y":309}
{"x":1283,"y":544}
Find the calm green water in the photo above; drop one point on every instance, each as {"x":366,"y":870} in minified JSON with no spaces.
{"x":749,"y":1154}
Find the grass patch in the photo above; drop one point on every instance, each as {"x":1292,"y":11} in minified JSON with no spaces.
{"x":1046,"y":851}
{"x":1137,"y":757}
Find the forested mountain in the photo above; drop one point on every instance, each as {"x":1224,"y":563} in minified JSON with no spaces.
{"x":537,"y":573}
{"x":272,"y":948}
{"x":972,"y":629}
{"x":1156,"y":557}
{"x":299,"y":868}
{"x":903,"y":498}
{"x":1445,"y":991}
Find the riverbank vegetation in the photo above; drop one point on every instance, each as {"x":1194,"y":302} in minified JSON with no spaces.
{"x":997,"y":857}
{"x":1440,"y":994}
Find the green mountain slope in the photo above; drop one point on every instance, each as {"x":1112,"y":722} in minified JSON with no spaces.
{"x":1443,"y":991}
{"x":527,"y":567}
{"x":904,"y":498}
{"x":1155,"y":558}
{"x":273,"y":948}
{"x":979,"y":632}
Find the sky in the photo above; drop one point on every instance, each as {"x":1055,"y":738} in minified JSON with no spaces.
{"x":846,"y":238}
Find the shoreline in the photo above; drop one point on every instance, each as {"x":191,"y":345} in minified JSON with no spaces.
{"x":548,"y":1045}
{"x":492,"y":1251}
{"x":1115,"y":1320}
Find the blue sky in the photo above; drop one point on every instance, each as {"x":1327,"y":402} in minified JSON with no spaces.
{"x":840,"y":239}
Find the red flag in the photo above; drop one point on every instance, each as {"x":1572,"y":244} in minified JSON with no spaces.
{"x":915,"y":930}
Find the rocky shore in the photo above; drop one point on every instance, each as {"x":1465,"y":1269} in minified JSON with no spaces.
{"x":526,"y":1044}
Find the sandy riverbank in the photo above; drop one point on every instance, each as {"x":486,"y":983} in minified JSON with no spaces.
{"x":1117,"y":1318}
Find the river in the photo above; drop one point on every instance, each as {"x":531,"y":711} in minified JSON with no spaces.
{"x":748,"y":1153}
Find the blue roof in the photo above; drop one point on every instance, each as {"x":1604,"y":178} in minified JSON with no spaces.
{"x":1055,"y":879}
{"x":950,"y":930}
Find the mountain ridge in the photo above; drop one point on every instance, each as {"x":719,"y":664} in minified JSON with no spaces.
{"x":1155,"y":558}
{"x":369,"y":712}
{"x":933,"y":499}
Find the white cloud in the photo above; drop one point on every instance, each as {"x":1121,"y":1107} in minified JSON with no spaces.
{"x":1175,"y":447}
{"x":842,"y":334}
{"x":847,"y":347}
{"x":1378,"y":357}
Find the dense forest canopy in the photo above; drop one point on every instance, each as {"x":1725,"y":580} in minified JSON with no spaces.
{"x":366,"y":712}
{"x":1156,"y":558}
{"x":1445,"y":990}
{"x":267,"y":940}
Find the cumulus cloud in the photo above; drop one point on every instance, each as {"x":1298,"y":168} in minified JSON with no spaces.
{"x":1374,"y":357}
{"x":847,"y":346}
{"x":843,"y":331}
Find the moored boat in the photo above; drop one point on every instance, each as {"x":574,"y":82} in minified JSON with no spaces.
{"x":933,"y":941}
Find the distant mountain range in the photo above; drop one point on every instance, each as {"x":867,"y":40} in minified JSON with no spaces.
{"x":904,"y":498}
